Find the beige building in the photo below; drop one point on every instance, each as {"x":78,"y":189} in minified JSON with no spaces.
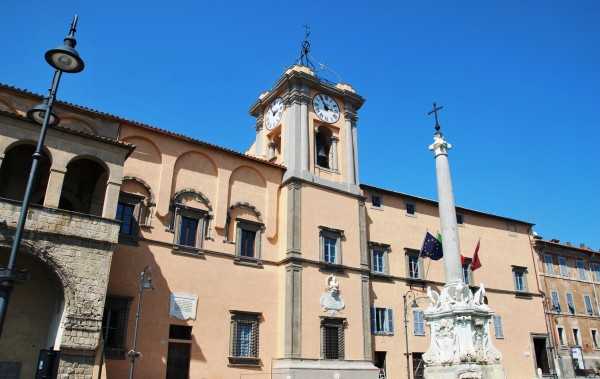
{"x":276,"y":263}
{"x":569,"y":277}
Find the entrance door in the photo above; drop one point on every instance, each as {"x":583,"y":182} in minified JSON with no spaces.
{"x":178,"y":360}
{"x":541,"y":354}
{"x":379,"y":361}
{"x":418,"y":365}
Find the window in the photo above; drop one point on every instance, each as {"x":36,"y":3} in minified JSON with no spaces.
{"x":247,"y":242}
{"x":410,"y":208}
{"x":549,"y":264}
{"x":466,"y":271}
{"x":190,"y":226}
{"x":581,"y":269}
{"x":570,"y":303}
{"x":460,"y":219}
{"x":595,"y":338}
{"x":418,"y":322}
{"x":129,"y":212}
{"x":325,"y":148}
{"x":188,"y":230}
{"x":179,"y":351}
{"x":376,"y":201}
{"x":114,"y":326}
{"x":418,"y":366}
{"x":382,"y":321}
{"x":244,"y":338}
{"x":330,"y":241}
{"x":555,"y":302}
{"x":332,"y":338}
{"x":414,"y":265}
{"x":596,"y":271}
{"x":561,"y":335}
{"x":576,"y":337}
{"x":589,"y":309}
{"x":379,"y":258}
{"x":499,"y":332}
{"x":564,"y":269}
{"x":520,"y":278}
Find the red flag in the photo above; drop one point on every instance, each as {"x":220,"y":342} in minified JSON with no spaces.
{"x":462,"y":259}
{"x":476,"y":263}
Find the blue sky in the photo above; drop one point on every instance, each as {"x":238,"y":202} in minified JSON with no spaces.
{"x":520,"y":83}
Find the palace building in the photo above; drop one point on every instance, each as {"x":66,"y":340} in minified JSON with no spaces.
{"x":273,"y":263}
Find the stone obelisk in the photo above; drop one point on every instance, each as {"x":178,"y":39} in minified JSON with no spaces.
{"x":459,"y":322}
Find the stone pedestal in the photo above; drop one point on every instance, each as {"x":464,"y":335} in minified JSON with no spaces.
{"x":323,"y":369}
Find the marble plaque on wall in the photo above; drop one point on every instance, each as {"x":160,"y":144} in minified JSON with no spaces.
{"x":183,"y":306}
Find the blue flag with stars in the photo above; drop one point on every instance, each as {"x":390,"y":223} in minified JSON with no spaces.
{"x":432,"y":247}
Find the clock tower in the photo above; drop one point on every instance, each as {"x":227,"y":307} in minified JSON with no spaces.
{"x":308,"y":125}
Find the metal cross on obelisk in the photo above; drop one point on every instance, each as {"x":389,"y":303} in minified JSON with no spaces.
{"x":460,"y":345}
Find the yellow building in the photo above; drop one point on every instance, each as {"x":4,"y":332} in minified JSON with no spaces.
{"x":276,"y":263}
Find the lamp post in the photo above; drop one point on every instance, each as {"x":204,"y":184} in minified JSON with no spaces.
{"x":145,"y":284}
{"x":405,"y":297}
{"x":64,"y":59}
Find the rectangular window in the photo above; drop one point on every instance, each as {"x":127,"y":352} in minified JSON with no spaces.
{"x":188,"y":229}
{"x":376,"y":201}
{"x":499,"y":332}
{"x":130,"y":210}
{"x":588,"y":305}
{"x":379,"y":261}
{"x":555,"y":302}
{"x":596,"y":271}
{"x":595,"y":338}
{"x":581,"y":269}
{"x":418,"y":322}
{"x":549,"y":264}
{"x":561,"y":335}
{"x":564,"y":269}
{"x":331,"y":245}
{"x":460,"y":219}
{"x":179,"y":351}
{"x":576,"y":337}
{"x":244,"y":338}
{"x":247,"y":241}
{"x":332,"y":338}
{"x":520,"y":279}
{"x":414,"y":265}
{"x":114,"y":326}
{"x":410,"y":208}
{"x":382,"y":321}
{"x":570,"y":303}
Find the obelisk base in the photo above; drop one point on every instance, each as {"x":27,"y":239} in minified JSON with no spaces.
{"x":461,"y":346}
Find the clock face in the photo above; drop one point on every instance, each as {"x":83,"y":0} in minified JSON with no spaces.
{"x":326,"y":108}
{"x":273,"y":114}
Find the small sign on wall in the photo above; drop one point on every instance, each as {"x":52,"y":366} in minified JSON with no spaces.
{"x":183,"y":306}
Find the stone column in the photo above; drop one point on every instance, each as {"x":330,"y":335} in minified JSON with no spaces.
{"x":304,"y":145}
{"x":111,"y":199}
{"x":334,"y":153}
{"x":447,"y":210}
{"x":54,"y":188}
{"x":349,"y":123}
{"x":259,"y":147}
{"x":293,"y":310}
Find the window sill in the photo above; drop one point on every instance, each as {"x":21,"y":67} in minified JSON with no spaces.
{"x":244,"y":362}
{"x":410,"y":215}
{"x":524,"y":294}
{"x":327,"y":169}
{"x":247,"y":261}
{"x":331,"y":267}
{"x":416,"y":280}
{"x":419,"y":335}
{"x":381,"y":275}
{"x":385,"y":334}
{"x":187,"y":250}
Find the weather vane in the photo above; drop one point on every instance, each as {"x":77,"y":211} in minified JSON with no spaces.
{"x":435,"y":111}
{"x":304,"y":58}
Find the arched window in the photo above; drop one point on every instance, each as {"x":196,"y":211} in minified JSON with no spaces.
{"x":14,"y":174}
{"x":192,"y":213}
{"x":84,"y":187}
{"x":323,"y":147}
{"x":134,"y":209}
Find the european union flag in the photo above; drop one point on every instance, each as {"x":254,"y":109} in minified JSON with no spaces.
{"x":432,"y":247}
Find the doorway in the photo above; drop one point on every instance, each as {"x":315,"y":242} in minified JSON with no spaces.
{"x":379,"y":362}
{"x":542,"y":356}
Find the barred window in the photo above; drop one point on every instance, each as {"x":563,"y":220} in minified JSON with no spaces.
{"x":332,"y":338}
{"x":244,"y":338}
{"x":114,"y":326}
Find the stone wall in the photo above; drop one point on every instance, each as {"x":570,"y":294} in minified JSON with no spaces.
{"x":78,"y":249}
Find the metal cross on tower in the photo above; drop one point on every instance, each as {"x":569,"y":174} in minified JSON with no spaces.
{"x":434,"y":111}
{"x":304,"y":58}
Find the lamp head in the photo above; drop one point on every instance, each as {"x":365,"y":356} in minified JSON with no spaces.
{"x":65,"y":58}
{"x":37,"y":113}
{"x":147,"y":279}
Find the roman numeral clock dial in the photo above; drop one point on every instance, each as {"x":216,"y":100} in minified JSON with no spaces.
{"x":326,"y":108}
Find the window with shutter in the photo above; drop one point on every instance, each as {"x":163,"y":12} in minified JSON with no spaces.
{"x":596,"y":271}
{"x":581,"y":269}
{"x":520,"y":278}
{"x":382,"y":321}
{"x":588,"y":305}
{"x":555,"y":302}
{"x":498,"y":326}
{"x":418,"y":323}
{"x":564,"y":269}
{"x":244,"y":338}
{"x":549,"y":264}
{"x":570,"y":303}
{"x":248,"y":241}
{"x":330,"y":244}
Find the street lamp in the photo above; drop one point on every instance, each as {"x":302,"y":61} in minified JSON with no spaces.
{"x":405,"y":298}
{"x":64,"y":59}
{"x":145,"y":284}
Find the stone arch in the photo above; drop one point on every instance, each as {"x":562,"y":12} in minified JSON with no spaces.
{"x":151,"y":198}
{"x":196,"y":195}
{"x":77,"y":123}
{"x":244,"y":206}
{"x":15,"y":168}
{"x":84,"y":186}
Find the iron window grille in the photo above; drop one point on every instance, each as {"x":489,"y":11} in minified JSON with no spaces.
{"x":332,"y":338}
{"x":244,"y":340}
{"x":114,"y":326}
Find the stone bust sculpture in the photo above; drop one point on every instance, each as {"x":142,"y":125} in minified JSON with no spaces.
{"x":331,"y":301}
